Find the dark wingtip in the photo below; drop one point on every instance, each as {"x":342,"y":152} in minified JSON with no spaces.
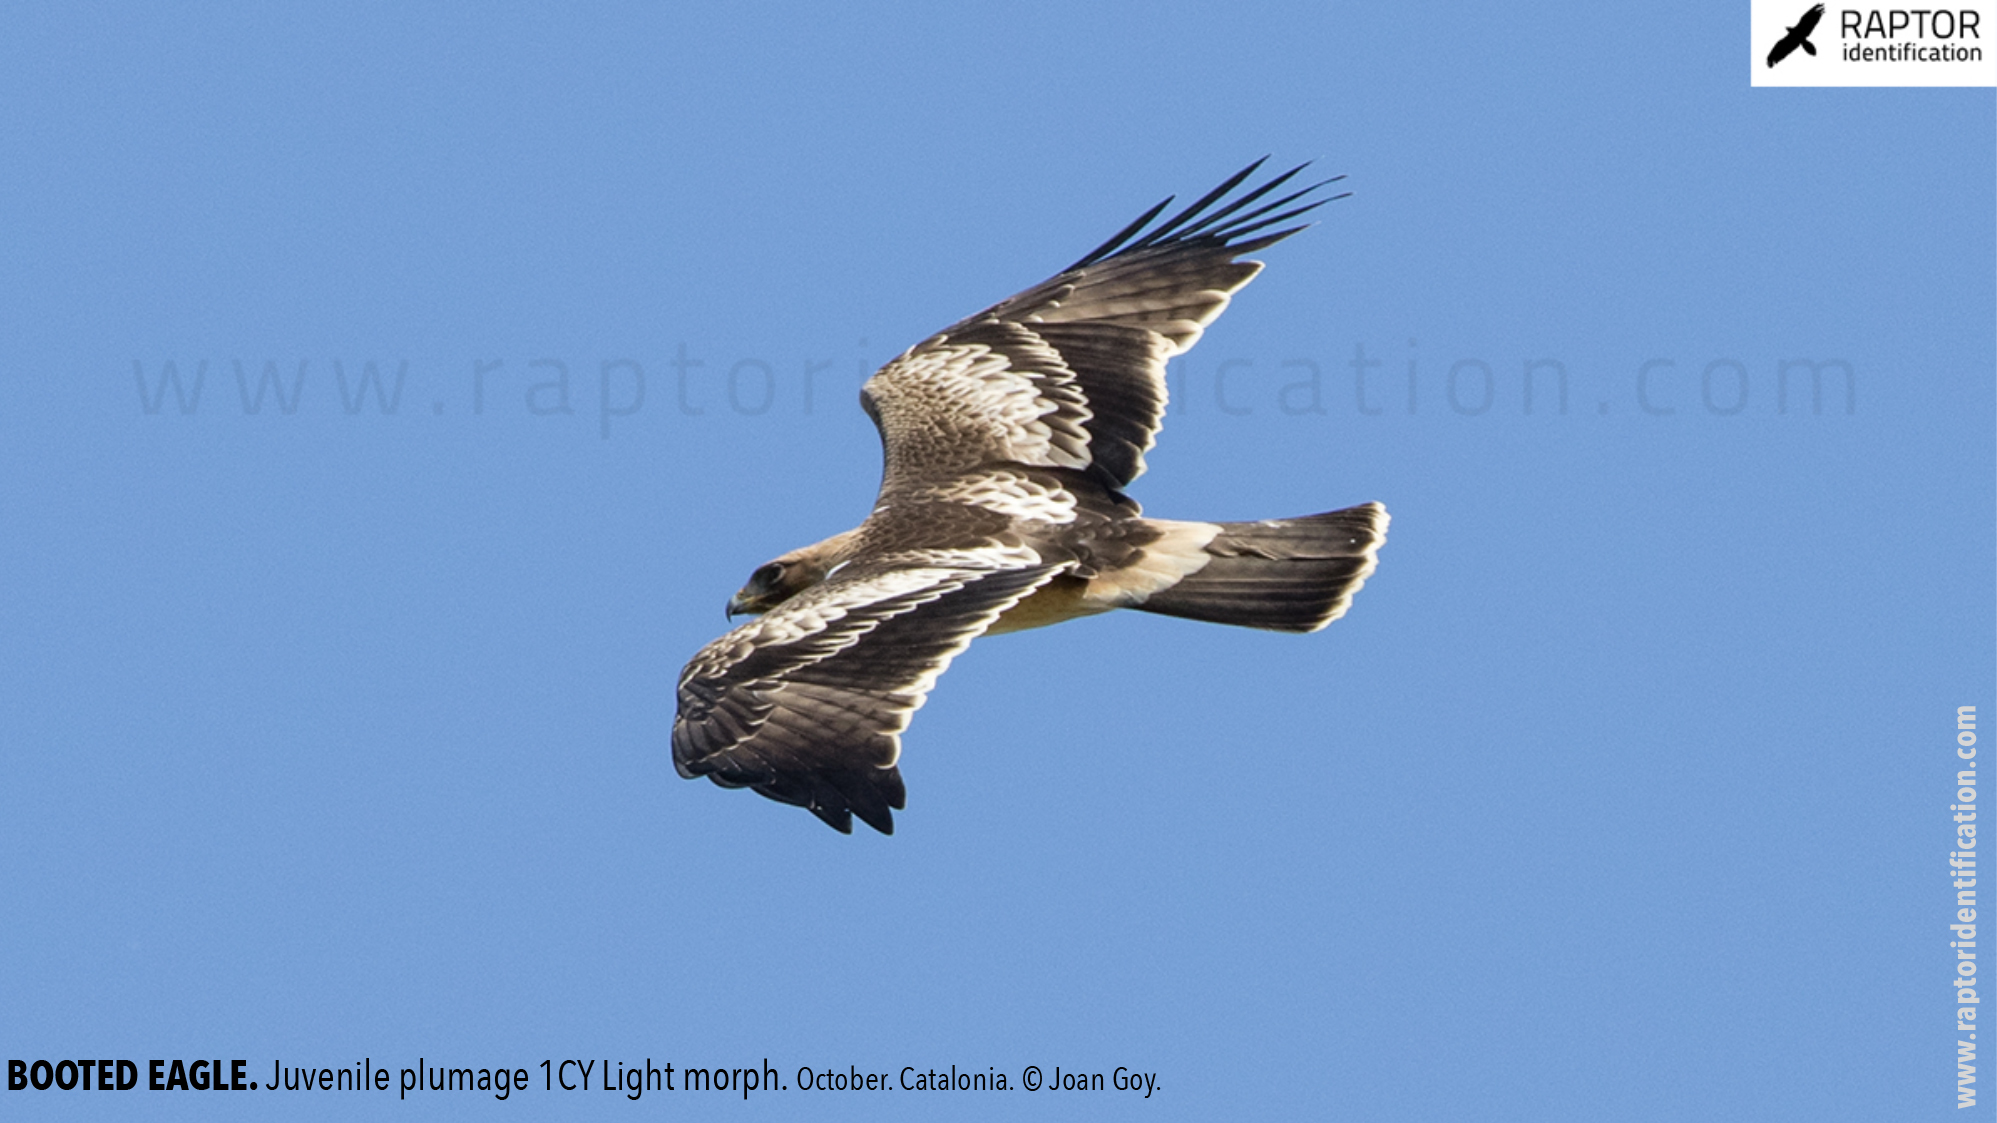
{"x":1216,"y":220}
{"x":1110,"y":247}
{"x":838,"y":818}
{"x":841,"y":819}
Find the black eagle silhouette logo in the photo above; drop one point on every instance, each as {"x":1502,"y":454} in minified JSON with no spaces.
{"x":1799,"y":36}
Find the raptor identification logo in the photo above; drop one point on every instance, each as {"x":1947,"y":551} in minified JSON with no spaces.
{"x":1796,"y":43}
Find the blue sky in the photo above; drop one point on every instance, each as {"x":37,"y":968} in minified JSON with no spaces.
{"x":338,"y":727}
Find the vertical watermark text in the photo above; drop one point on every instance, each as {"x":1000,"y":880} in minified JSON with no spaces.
{"x":1962,"y":876}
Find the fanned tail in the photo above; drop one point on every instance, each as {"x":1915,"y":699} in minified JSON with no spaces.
{"x":1288,"y":575}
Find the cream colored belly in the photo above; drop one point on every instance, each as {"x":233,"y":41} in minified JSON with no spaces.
{"x":1063,"y":598}
{"x":1179,"y":550}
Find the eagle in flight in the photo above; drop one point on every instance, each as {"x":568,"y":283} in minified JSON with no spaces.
{"x":1797,"y":36}
{"x":1008,"y":439}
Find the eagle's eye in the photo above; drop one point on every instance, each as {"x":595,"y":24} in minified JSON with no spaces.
{"x":768,"y":577}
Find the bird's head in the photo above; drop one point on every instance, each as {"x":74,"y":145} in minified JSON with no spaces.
{"x":772,"y":584}
{"x":782,"y":578}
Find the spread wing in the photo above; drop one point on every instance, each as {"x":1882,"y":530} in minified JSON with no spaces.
{"x":1798,"y":36}
{"x":1071,"y":373}
{"x":806,"y":704}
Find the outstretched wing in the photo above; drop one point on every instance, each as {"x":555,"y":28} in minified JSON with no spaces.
{"x":807,"y":703}
{"x":1071,"y":373}
{"x":1797,"y":36}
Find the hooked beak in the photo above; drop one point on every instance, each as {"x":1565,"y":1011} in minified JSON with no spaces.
{"x":760,"y":595}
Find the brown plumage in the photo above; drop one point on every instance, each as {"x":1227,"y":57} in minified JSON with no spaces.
{"x":1007,"y":440}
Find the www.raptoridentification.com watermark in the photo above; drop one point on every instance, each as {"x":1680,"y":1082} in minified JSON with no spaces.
{"x":1962,"y":916}
{"x":609,"y":392}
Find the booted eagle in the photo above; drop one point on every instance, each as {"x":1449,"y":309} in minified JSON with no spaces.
{"x":1009,"y":438}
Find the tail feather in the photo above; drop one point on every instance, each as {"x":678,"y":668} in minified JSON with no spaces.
{"x":1289,"y":575}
